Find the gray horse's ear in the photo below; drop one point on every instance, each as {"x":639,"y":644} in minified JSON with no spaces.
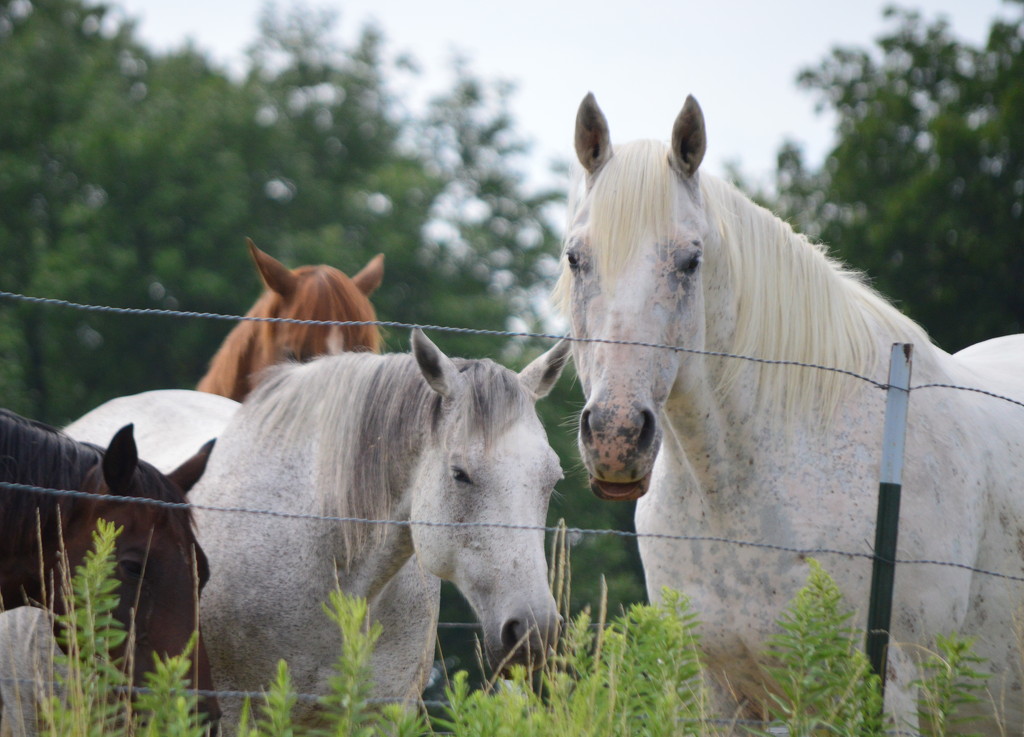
{"x":689,"y":141}
{"x":371,"y":275}
{"x":275,"y":275}
{"x":593,"y":143}
{"x":438,"y":370}
{"x":540,"y":376}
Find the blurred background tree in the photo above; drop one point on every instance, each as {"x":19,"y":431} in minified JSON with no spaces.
{"x":924,"y":189}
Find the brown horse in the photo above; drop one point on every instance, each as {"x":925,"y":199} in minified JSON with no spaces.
{"x":306,"y":293}
{"x":160,"y":567}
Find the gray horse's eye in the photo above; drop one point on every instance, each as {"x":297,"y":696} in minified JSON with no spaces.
{"x":461,"y":476}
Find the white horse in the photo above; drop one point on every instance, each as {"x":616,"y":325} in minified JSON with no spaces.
{"x":718,"y":447}
{"x":452,"y":444}
{"x":29,"y":672}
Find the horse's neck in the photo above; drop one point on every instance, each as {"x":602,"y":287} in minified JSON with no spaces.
{"x":376,"y":564}
{"x":379,"y":557}
{"x":732,"y":440}
{"x":19,"y":581}
{"x":232,"y":365}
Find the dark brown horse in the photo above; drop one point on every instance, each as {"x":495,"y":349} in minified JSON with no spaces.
{"x":306,"y":293}
{"x":160,"y":566}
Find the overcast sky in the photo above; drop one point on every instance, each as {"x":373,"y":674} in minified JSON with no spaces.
{"x":739,"y":58}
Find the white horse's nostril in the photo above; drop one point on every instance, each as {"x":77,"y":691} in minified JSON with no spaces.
{"x":585,"y":432}
{"x":514,"y":634}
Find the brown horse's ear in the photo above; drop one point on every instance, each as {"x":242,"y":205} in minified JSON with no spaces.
{"x":275,"y":275}
{"x":188,"y":473}
{"x":371,"y":276}
{"x":593,"y":141}
{"x":689,"y":141}
{"x":121,"y":460}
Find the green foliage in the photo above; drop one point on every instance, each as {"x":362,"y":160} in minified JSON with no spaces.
{"x":351,"y":684}
{"x":167,"y":708}
{"x":950,"y":680}
{"x":95,"y":698}
{"x":346,"y":709}
{"x":639,"y":676}
{"x":276,"y":710}
{"x":131,"y":178}
{"x":88,"y":674}
{"x":825,"y":684}
{"x":924,"y":188}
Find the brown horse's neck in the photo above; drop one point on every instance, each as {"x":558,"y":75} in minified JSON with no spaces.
{"x":232,"y":364}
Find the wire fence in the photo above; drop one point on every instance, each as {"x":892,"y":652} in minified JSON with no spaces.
{"x":507,"y":334}
{"x":572,"y":531}
{"x":629,"y":534}
{"x":14,"y":296}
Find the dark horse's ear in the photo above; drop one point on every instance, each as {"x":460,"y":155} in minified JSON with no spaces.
{"x":188,"y":473}
{"x":121,"y":460}
{"x":371,"y":275}
{"x":689,"y":141}
{"x":275,"y":275}
{"x":593,"y":142}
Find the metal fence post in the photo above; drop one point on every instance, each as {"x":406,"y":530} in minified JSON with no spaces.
{"x":883,"y":570}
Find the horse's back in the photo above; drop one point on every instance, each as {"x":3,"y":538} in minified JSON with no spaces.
{"x":1000,"y":360}
{"x":170,"y":424}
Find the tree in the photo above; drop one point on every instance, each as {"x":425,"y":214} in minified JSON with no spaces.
{"x":132,"y":179}
{"x":924,"y":189}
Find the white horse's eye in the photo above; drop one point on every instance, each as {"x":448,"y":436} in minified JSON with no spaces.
{"x":461,"y":476}
{"x":687,"y":263}
{"x":573,"y":259}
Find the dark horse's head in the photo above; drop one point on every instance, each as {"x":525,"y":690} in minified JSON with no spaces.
{"x":160,"y":567}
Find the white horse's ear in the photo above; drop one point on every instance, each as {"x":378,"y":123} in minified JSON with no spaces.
{"x":438,"y":370}
{"x":275,"y":275}
{"x":371,"y":275}
{"x":540,"y":376}
{"x":689,"y":141}
{"x":593,"y":143}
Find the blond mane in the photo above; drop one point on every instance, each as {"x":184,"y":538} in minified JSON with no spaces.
{"x":792,"y":301}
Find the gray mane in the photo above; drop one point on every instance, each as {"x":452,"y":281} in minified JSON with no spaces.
{"x":370,"y":416}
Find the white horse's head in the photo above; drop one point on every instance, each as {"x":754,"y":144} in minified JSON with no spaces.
{"x":632,"y":271}
{"x":489,"y":464}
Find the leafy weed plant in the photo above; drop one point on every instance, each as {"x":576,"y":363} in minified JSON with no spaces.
{"x":638,"y":675}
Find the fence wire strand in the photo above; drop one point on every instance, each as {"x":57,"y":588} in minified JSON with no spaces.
{"x":434,"y":328}
{"x":571,"y":531}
